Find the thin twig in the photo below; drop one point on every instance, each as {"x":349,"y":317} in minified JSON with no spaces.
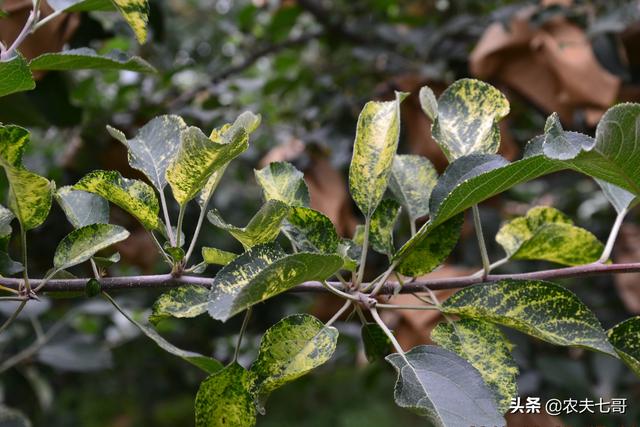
{"x":378,"y":320}
{"x":613,"y":235}
{"x":365,"y":249}
{"x":486,"y":265}
{"x":243,"y":328}
{"x":339,"y":313}
{"x":13,"y":317}
{"x":338,"y":292}
{"x":167,"y":219}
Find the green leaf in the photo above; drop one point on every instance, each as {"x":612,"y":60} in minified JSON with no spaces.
{"x":290,"y":349}
{"x":428,"y":248}
{"x":625,"y":337}
{"x":439,"y":385}
{"x":88,"y":59}
{"x":15,"y":76}
{"x":541,"y":309}
{"x":82,"y":5}
{"x":82,"y":208}
{"x":105,"y":262}
{"x":263,"y":272}
{"x":224,"y":399}
{"x":428,"y":103}
{"x":6,"y":216}
{"x":153,"y":147}
{"x":9,"y":267}
{"x":199,"y":157}
{"x":217,"y":256}
{"x":311,"y":231}
{"x":82,"y":243}
{"x":183,"y":302}
{"x":282,"y":181}
{"x":373,"y":151}
{"x":487,"y":349}
{"x":135,"y":197}
{"x":467,"y":121}
{"x":383,"y":221}
{"x":377,"y":344}
{"x":135,"y":12}
{"x":264,"y":227}
{"x":412,"y":180}
{"x":619,"y":198}
{"x":546,"y":234}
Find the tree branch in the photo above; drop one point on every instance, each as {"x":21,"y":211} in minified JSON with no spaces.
{"x":163,"y":281}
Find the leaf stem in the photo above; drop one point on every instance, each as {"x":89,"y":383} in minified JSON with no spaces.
{"x":365,"y":249}
{"x":179,"y":225}
{"x":613,"y":235}
{"x":243,"y":328}
{"x":13,"y":317}
{"x":160,"y":249}
{"x":412,"y":226}
{"x":8,"y":53}
{"x":94,"y":267}
{"x":167,"y":219}
{"x":196,"y":233}
{"x":23,"y":245}
{"x":383,"y":279}
{"x":339,"y":313}
{"x":407,"y":307}
{"x":378,"y":320}
{"x":338,"y":292}
{"x":486,"y":266}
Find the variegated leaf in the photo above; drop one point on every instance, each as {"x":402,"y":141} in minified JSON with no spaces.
{"x":199,"y":157}
{"x":541,"y":309}
{"x":264,"y":227}
{"x":487,"y":349}
{"x":546,"y":234}
{"x":282,"y":181}
{"x":263,"y":272}
{"x":183,"y":302}
{"x":82,"y":243}
{"x":82,"y":208}
{"x":412,"y":180}
{"x":136,"y":13}
{"x":373,"y":151}
{"x":217,"y":256}
{"x":310,"y":231}
{"x":290,"y":349}
{"x":153,"y":147}
{"x":210,"y":187}
{"x":383,"y":221}
{"x":625,"y":338}
{"x":467,"y":121}
{"x":135,"y":197}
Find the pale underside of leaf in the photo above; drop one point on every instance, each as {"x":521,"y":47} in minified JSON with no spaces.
{"x":412,"y":180}
{"x":82,"y":208}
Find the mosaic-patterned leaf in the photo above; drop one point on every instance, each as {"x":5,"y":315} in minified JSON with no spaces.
{"x":224,"y":399}
{"x":467,"y":121}
{"x":217,"y":256}
{"x":88,"y":59}
{"x":199,"y":157}
{"x":429,"y":248}
{"x":541,"y":309}
{"x":263,"y":272}
{"x":264,"y":227}
{"x":82,"y":243}
{"x":136,"y":13}
{"x":310,"y":231}
{"x":546,"y":234}
{"x":412,"y":180}
{"x":153,"y":147}
{"x":625,"y":338}
{"x":282,"y":181}
{"x":377,"y":344}
{"x":441,"y":386}
{"x":15,"y":76}
{"x":375,"y":146}
{"x":383,"y":221}
{"x":135,"y":197}
{"x":183,"y":302}
{"x":82,"y":208}
{"x":290,"y":349}
{"x":487,"y":349}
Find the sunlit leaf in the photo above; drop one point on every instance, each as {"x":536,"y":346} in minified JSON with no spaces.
{"x":15,"y":76}
{"x":428,"y":103}
{"x":547,"y":234}
{"x":484,"y":346}
{"x":217,"y":256}
{"x":311,"y":231}
{"x":82,"y":208}
{"x":82,"y":243}
{"x":625,"y":338}
{"x":383,"y":221}
{"x":439,"y":385}
{"x":541,"y":309}
{"x":135,"y":197}
{"x":183,"y":302}
{"x":264,"y":227}
{"x":373,"y":151}
{"x":263,"y":272}
{"x":282,"y":181}
{"x":412,"y":180}
{"x":135,"y":12}
{"x":88,"y":59}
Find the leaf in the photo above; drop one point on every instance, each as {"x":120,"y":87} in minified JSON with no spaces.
{"x":376,"y":342}
{"x":383,"y":221}
{"x":619,"y":198}
{"x":6,"y":216}
{"x":153,"y":147}
{"x":282,"y":181}
{"x":290,"y":349}
{"x":224,"y":399}
{"x":263,"y":272}
{"x":82,"y":243}
{"x":199,"y":157}
{"x":88,"y":59}
{"x":439,"y":385}
{"x":373,"y":151}
{"x":10,"y":417}
{"x":135,"y":197}
{"x":183,"y":302}
{"x":311,"y":231}
{"x":429,"y":248}
{"x":467,"y":121}
{"x":546,"y":234}
{"x":9,"y":267}
{"x":412,"y":180}
{"x":82,"y":208}
{"x":264,"y":227}
{"x":428,"y":103}
{"x":135,"y":12}
{"x":541,"y":309}
{"x":625,"y":337}
{"x":76,"y":354}
{"x":210,"y":187}
{"x":487,"y":349}
{"x":105,"y":262}
{"x":217,"y":256}
{"x":82,"y":5}
{"x":15,"y":76}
